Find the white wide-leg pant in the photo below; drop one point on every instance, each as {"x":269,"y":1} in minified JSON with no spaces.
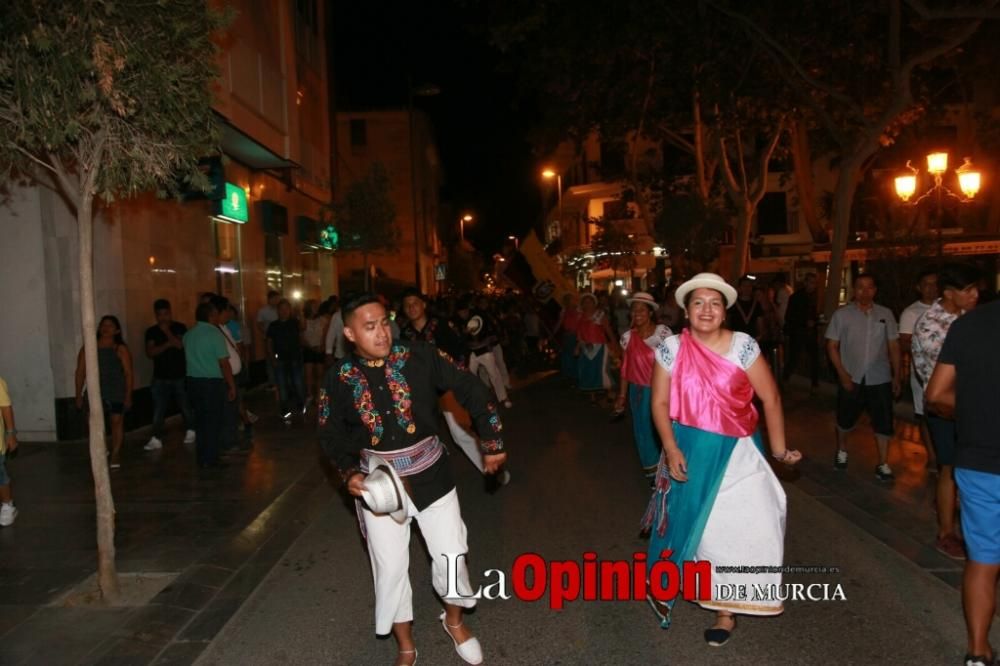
{"x":502,"y":365}
{"x":466,"y":441}
{"x":489,"y":361}
{"x":389,"y":550}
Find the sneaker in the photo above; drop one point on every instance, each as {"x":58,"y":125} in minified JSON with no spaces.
{"x":508,"y":404}
{"x":189,"y":437}
{"x":154,"y":444}
{"x":8,"y":512}
{"x":884,"y":473}
{"x":951,"y":546}
{"x":840,"y":462}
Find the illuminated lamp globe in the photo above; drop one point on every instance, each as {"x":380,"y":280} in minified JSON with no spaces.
{"x":906,"y":186}
{"x":937,"y":163}
{"x":969,"y":179}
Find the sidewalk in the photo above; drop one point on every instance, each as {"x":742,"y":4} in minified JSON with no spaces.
{"x":220,"y":532}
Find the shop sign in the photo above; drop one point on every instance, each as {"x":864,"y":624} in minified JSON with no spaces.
{"x":233,"y":207}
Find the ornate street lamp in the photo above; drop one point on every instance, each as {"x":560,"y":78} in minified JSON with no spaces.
{"x":969,"y":182}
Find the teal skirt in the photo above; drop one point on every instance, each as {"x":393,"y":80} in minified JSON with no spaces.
{"x":593,"y":372}
{"x":647,"y":440}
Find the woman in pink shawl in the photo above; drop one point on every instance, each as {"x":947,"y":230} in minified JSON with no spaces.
{"x":716,"y":497}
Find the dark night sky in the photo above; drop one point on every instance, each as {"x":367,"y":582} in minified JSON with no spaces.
{"x":488,"y":163}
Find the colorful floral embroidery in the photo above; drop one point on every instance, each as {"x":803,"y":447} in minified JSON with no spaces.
{"x":399,"y":388}
{"x":491,"y":446}
{"x":494,"y":418}
{"x":323,"y":410}
{"x":352,"y":375}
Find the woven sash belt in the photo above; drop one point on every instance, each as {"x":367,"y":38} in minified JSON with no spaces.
{"x":409,"y":461}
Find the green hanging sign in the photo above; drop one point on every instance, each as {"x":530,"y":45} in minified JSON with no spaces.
{"x":233,"y":207}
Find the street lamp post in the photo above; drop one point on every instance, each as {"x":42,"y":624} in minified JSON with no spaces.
{"x":461,"y":225}
{"x":549,"y":173}
{"x":969,"y":181}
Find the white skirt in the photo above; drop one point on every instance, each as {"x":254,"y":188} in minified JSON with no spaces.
{"x":746,"y":528}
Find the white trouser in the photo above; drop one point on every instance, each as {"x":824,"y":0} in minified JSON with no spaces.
{"x":465,"y":441}
{"x":489,"y":361}
{"x":389,"y":549}
{"x":501,"y":365}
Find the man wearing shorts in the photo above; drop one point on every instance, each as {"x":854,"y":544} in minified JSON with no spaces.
{"x":863,"y":344}
{"x":964,"y":383}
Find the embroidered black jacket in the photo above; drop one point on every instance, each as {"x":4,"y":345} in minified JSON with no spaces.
{"x":440,"y":334}
{"x":392,"y":403}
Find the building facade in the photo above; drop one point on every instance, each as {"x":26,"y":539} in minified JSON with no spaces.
{"x":258,"y":231}
{"x":402,"y":141}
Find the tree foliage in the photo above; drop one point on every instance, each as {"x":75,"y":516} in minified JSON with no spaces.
{"x":366,"y":215}
{"x":105,"y":99}
{"x":117,"y":90}
{"x":662,"y":74}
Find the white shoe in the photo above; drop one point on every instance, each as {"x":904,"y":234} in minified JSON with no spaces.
{"x":154,"y":444}
{"x":189,"y":437}
{"x":508,"y":404}
{"x":252,"y":418}
{"x":470,"y":651}
{"x":8,"y":512}
{"x":504,"y":478}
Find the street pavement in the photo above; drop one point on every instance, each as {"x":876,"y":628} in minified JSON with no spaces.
{"x":577,"y":487}
{"x":218,"y":532}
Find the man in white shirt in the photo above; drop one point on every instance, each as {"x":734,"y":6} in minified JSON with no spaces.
{"x":927,"y":287}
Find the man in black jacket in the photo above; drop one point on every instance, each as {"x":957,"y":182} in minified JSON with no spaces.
{"x":383,"y":399}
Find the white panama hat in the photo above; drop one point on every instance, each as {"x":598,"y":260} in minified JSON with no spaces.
{"x":383,"y":490}
{"x":644,"y":298}
{"x":706,"y":281}
{"x":474,"y":325}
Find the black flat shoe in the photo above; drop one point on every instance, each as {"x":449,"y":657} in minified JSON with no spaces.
{"x":717,"y":637}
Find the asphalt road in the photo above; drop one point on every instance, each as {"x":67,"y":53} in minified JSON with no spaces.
{"x":577,"y":487}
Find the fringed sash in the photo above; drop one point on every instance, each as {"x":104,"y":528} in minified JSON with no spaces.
{"x":709,"y":392}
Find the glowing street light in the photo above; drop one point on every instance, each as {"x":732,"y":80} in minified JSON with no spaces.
{"x":550,"y":174}
{"x":461,"y":224}
{"x":969,"y":182}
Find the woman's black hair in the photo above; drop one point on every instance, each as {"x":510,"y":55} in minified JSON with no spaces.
{"x":957,"y":276}
{"x":119,"y":340}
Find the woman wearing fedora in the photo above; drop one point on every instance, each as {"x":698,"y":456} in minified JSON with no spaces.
{"x":639,"y":344}
{"x":716,"y":498}
{"x":379,"y":413}
{"x":593,"y":335}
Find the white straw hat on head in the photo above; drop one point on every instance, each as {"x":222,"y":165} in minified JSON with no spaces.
{"x":383,"y":490}
{"x":706,"y":281}
{"x":644,"y":298}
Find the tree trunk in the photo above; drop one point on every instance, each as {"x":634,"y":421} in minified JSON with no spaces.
{"x":742,"y":239}
{"x":107,"y":574}
{"x":805,"y":188}
{"x":843,"y":201}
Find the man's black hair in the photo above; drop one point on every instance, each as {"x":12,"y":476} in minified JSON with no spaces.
{"x":358,"y":301}
{"x":867,"y":276}
{"x":204,"y":311}
{"x":161,"y":304}
{"x":413,"y":291}
{"x":221,"y":303}
{"x":930,"y":270}
{"x":271,"y":294}
{"x":957,"y":276}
